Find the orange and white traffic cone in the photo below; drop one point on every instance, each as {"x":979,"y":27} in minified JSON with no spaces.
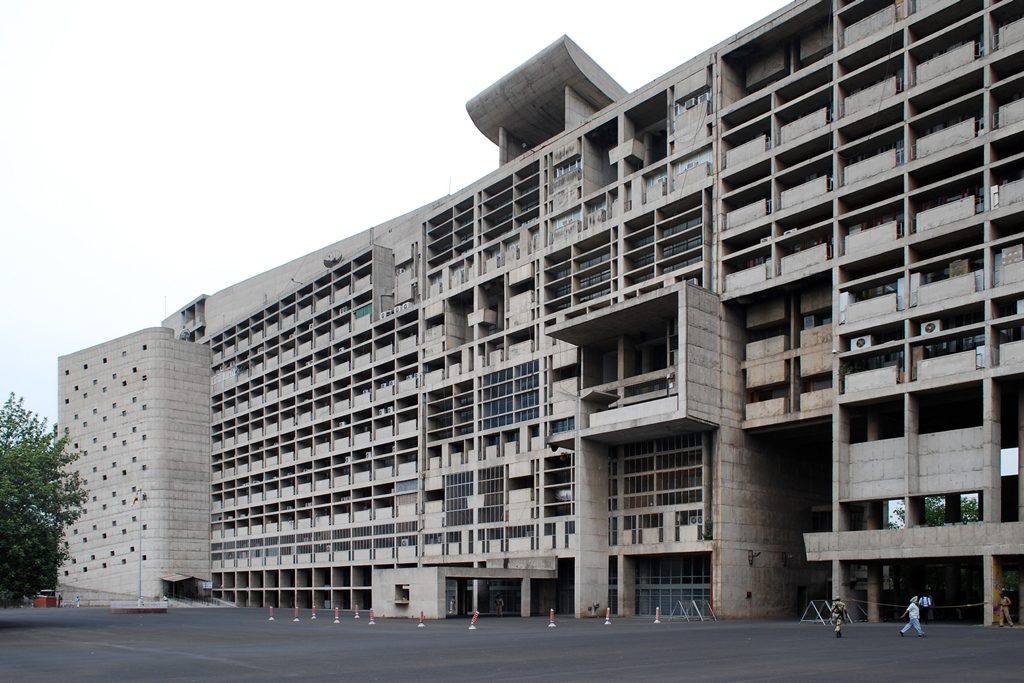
{"x":421,"y":624}
{"x":271,"y":614}
{"x":472,"y":624}
{"x":336,"y":620}
{"x":607,"y":616}
{"x":551,"y":619}
{"x":657,"y":615}
{"x":371,"y":622}
{"x":295,"y":612}
{"x":314,"y":613}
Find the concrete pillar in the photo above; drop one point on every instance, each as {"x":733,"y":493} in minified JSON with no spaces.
{"x":627,"y":586}
{"x":591,"y":566}
{"x":874,"y":426}
{"x":874,"y":518}
{"x":524,"y":602}
{"x":911,"y":427}
{"x":840,"y":579}
{"x":991,"y":579}
{"x":953,"y":514}
{"x":474,"y":601}
{"x":992,"y":495}
{"x":1020,"y":457}
{"x":915,"y":511}
{"x":874,"y":592}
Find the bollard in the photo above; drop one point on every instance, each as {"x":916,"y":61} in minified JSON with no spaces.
{"x":472,"y":624}
{"x":551,"y":619}
{"x":371,"y":622}
{"x":421,"y":624}
{"x":357,"y":613}
{"x":657,"y":615}
{"x":296,"y":612}
{"x":336,"y":620}
{"x":271,"y":614}
{"x":314,"y":613}
{"x":607,"y":616}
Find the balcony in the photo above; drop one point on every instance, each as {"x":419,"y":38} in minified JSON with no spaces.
{"x":746,"y":151}
{"x":816,"y":121}
{"x":766,"y":374}
{"x":747,"y":278}
{"x":765,"y":348}
{"x":871,"y":167}
{"x":940,"y":141}
{"x":771,"y":409}
{"x":869,"y":380}
{"x":866,"y":240}
{"x":814,"y":189}
{"x":1011,"y":353}
{"x":944,"y":290}
{"x":944,"y":63}
{"x":877,"y":469}
{"x":871,"y":308}
{"x":952,"y":364}
{"x":747,"y":214}
{"x":949,"y":212}
{"x":871,"y":96}
{"x":1011,"y":193}
{"x":816,"y":400}
{"x":817,"y":255}
{"x":958,"y":453}
{"x":870,"y":25}
{"x":1011,"y":33}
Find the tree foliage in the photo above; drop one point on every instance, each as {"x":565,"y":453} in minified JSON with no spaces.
{"x":39,"y":497}
{"x":935,"y":512}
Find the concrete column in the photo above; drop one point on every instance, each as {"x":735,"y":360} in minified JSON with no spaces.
{"x":840,"y":469}
{"x":991,"y":578}
{"x":953,"y":514}
{"x":840,"y":579}
{"x":911,"y":427}
{"x":992,"y":498}
{"x":874,"y":426}
{"x":591,"y":575}
{"x":474,"y":601}
{"x":627,"y":586}
{"x":1020,"y":457}
{"x":524,"y":602}
{"x":874,"y":592}
{"x":873,"y":517}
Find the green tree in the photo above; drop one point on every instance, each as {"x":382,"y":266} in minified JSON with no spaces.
{"x":39,"y":497}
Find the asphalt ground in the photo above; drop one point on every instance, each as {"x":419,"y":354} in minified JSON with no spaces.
{"x":71,"y":645}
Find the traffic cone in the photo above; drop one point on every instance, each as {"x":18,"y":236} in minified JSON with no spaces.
{"x":336,"y":620}
{"x":314,"y":613}
{"x":551,"y":619}
{"x":607,"y":616}
{"x":657,"y":615}
{"x":295,"y":611}
{"x":421,"y":624}
{"x":271,"y":614}
{"x":472,"y":624}
{"x":371,"y":622}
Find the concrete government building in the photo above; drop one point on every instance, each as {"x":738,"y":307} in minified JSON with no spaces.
{"x":752,"y":335}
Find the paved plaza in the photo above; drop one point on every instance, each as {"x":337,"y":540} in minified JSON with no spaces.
{"x":241,"y":645}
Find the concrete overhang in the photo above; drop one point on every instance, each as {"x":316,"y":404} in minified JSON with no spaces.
{"x":603,"y":327}
{"x":529,"y":101}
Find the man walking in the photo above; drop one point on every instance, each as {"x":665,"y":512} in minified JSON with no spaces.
{"x":914,"y":612}
{"x":1004,"y":610}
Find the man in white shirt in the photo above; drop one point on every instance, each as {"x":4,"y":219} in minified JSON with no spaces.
{"x":914,"y":612}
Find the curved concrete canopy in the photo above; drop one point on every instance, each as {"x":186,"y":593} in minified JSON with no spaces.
{"x":529,"y":101}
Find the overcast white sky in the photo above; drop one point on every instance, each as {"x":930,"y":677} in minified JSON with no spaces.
{"x":154,"y":151}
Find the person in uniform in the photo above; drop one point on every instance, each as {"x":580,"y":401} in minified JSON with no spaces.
{"x":914,"y":621}
{"x":838,"y":615}
{"x":1004,"y":610}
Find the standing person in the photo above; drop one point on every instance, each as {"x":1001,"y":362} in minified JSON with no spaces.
{"x":60,"y":599}
{"x":926,"y":606}
{"x":78,"y":600}
{"x":1004,"y":609}
{"x":914,"y":612}
{"x":499,"y":605}
{"x":839,"y":615}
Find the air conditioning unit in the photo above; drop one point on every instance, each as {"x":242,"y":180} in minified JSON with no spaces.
{"x":696,"y":282}
{"x":790,"y":231}
{"x":766,"y":239}
{"x":862,"y":342}
{"x":931,"y":327}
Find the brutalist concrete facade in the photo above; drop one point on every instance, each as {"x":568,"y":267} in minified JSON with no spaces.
{"x":137,"y":409}
{"x":746,"y":335}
